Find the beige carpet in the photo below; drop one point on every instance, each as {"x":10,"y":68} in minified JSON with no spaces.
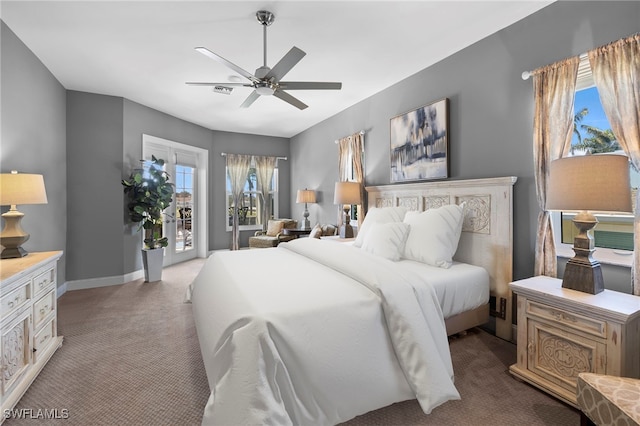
{"x":130,"y":357}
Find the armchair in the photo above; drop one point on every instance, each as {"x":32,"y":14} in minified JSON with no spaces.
{"x":273,"y":235}
{"x":608,"y":400}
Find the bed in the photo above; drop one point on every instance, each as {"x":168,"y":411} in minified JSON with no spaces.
{"x":318,"y":332}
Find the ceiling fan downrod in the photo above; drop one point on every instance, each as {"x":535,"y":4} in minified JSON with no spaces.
{"x":266,"y":18}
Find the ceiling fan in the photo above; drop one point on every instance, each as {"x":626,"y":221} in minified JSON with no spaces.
{"x":266,"y":81}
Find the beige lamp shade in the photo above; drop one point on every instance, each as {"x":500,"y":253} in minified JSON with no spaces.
{"x":596,"y":183}
{"x":21,"y":188}
{"x":347,"y":193}
{"x":306,"y":196}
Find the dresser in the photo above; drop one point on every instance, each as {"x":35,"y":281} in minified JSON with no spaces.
{"x":28,"y":314}
{"x":563,"y":332}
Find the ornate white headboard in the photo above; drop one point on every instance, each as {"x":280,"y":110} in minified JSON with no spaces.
{"x":487,"y":231}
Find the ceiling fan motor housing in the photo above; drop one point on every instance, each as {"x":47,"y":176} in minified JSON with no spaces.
{"x":265,"y":88}
{"x":265,"y":17}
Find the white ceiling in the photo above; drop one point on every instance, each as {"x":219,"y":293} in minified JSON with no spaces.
{"x":144,"y":50}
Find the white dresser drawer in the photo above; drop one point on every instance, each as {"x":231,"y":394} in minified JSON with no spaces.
{"x":43,"y":307}
{"x":43,"y":281}
{"x":17,"y":298}
{"x":43,"y":339}
{"x":564,"y":318}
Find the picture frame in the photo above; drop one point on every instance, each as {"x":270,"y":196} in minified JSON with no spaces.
{"x":419,"y":143}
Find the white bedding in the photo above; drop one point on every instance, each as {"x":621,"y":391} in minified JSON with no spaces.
{"x":316,"y":332}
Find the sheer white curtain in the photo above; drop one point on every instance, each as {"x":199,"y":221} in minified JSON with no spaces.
{"x":237,"y":169}
{"x":351,"y":149}
{"x":616,"y":72}
{"x":554,"y":89}
{"x":264,"y":173}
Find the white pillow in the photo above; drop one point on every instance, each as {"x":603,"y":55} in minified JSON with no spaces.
{"x":378,"y":215}
{"x":386,"y":239}
{"x":434,"y":235}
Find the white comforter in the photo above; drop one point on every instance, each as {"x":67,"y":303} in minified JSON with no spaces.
{"x":316,"y":333}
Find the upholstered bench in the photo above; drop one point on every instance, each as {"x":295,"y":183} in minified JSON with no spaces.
{"x":608,"y":400}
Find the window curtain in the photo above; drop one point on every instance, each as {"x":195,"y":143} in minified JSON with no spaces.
{"x":616,"y":72}
{"x":264,"y":173}
{"x":357,"y":151}
{"x":351,"y":148}
{"x":554,"y":94}
{"x":237,"y":169}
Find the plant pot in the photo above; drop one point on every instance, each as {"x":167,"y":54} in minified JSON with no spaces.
{"x":152,"y":260}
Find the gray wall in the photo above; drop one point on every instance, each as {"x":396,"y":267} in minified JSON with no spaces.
{"x":94,"y":198}
{"x":491,"y":111}
{"x":33,"y":139}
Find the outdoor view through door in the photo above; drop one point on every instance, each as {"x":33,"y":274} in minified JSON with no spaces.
{"x":184,"y":197}
{"x":184,"y":224}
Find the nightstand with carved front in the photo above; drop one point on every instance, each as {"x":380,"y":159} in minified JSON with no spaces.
{"x":563,"y":332}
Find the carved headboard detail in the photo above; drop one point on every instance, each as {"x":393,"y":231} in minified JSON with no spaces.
{"x":487,"y":230}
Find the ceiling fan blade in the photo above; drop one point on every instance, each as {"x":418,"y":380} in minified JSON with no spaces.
{"x":285,"y":64}
{"x":251,"y":99}
{"x":309,"y":85}
{"x":229,"y":64}
{"x":290,"y":99}
{"x":196,"y":83}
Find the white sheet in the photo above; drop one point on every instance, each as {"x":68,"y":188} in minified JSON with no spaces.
{"x":288,"y":340}
{"x":460,"y":288}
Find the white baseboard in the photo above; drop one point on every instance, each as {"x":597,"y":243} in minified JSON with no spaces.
{"x":99,"y":282}
{"x":61,"y":290}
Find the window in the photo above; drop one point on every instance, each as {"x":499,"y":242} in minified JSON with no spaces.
{"x":613,"y":235}
{"x":249,"y":210}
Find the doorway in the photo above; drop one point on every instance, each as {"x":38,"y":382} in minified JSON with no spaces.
{"x":185,"y":221}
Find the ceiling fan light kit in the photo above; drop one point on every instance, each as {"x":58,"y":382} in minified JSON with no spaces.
{"x":266,"y":81}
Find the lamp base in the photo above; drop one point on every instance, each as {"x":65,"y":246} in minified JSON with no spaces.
{"x":306,"y":225}
{"x":583,"y":272}
{"x":12,"y":252}
{"x":13,"y":236}
{"x":583,"y":275}
{"x":346,"y":230}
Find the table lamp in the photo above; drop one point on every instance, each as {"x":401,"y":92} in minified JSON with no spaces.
{"x":347,"y":193}
{"x":584,"y":184}
{"x":18,"y":188}
{"x":306,"y":196}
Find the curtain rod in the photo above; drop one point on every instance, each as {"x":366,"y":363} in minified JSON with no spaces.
{"x":527,"y":74}
{"x":338,"y":140}
{"x":224,"y":154}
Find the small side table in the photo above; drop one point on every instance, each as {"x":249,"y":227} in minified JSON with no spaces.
{"x":296,"y":232}
{"x":563,"y":332}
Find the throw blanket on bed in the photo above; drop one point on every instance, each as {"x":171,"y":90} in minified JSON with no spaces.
{"x":418,"y":332}
{"x":270,"y":347}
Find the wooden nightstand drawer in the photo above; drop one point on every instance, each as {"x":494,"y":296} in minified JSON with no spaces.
{"x":577,"y":322}
{"x":43,"y":307}
{"x":12,"y":301}
{"x":43,"y":281}
{"x":43,"y":339}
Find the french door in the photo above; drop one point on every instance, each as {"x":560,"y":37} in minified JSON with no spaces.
{"x":185,"y":220}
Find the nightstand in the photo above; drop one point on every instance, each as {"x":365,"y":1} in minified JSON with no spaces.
{"x":563,"y":332}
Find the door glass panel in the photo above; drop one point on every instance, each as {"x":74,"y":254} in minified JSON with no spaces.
{"x":185,"y":220}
